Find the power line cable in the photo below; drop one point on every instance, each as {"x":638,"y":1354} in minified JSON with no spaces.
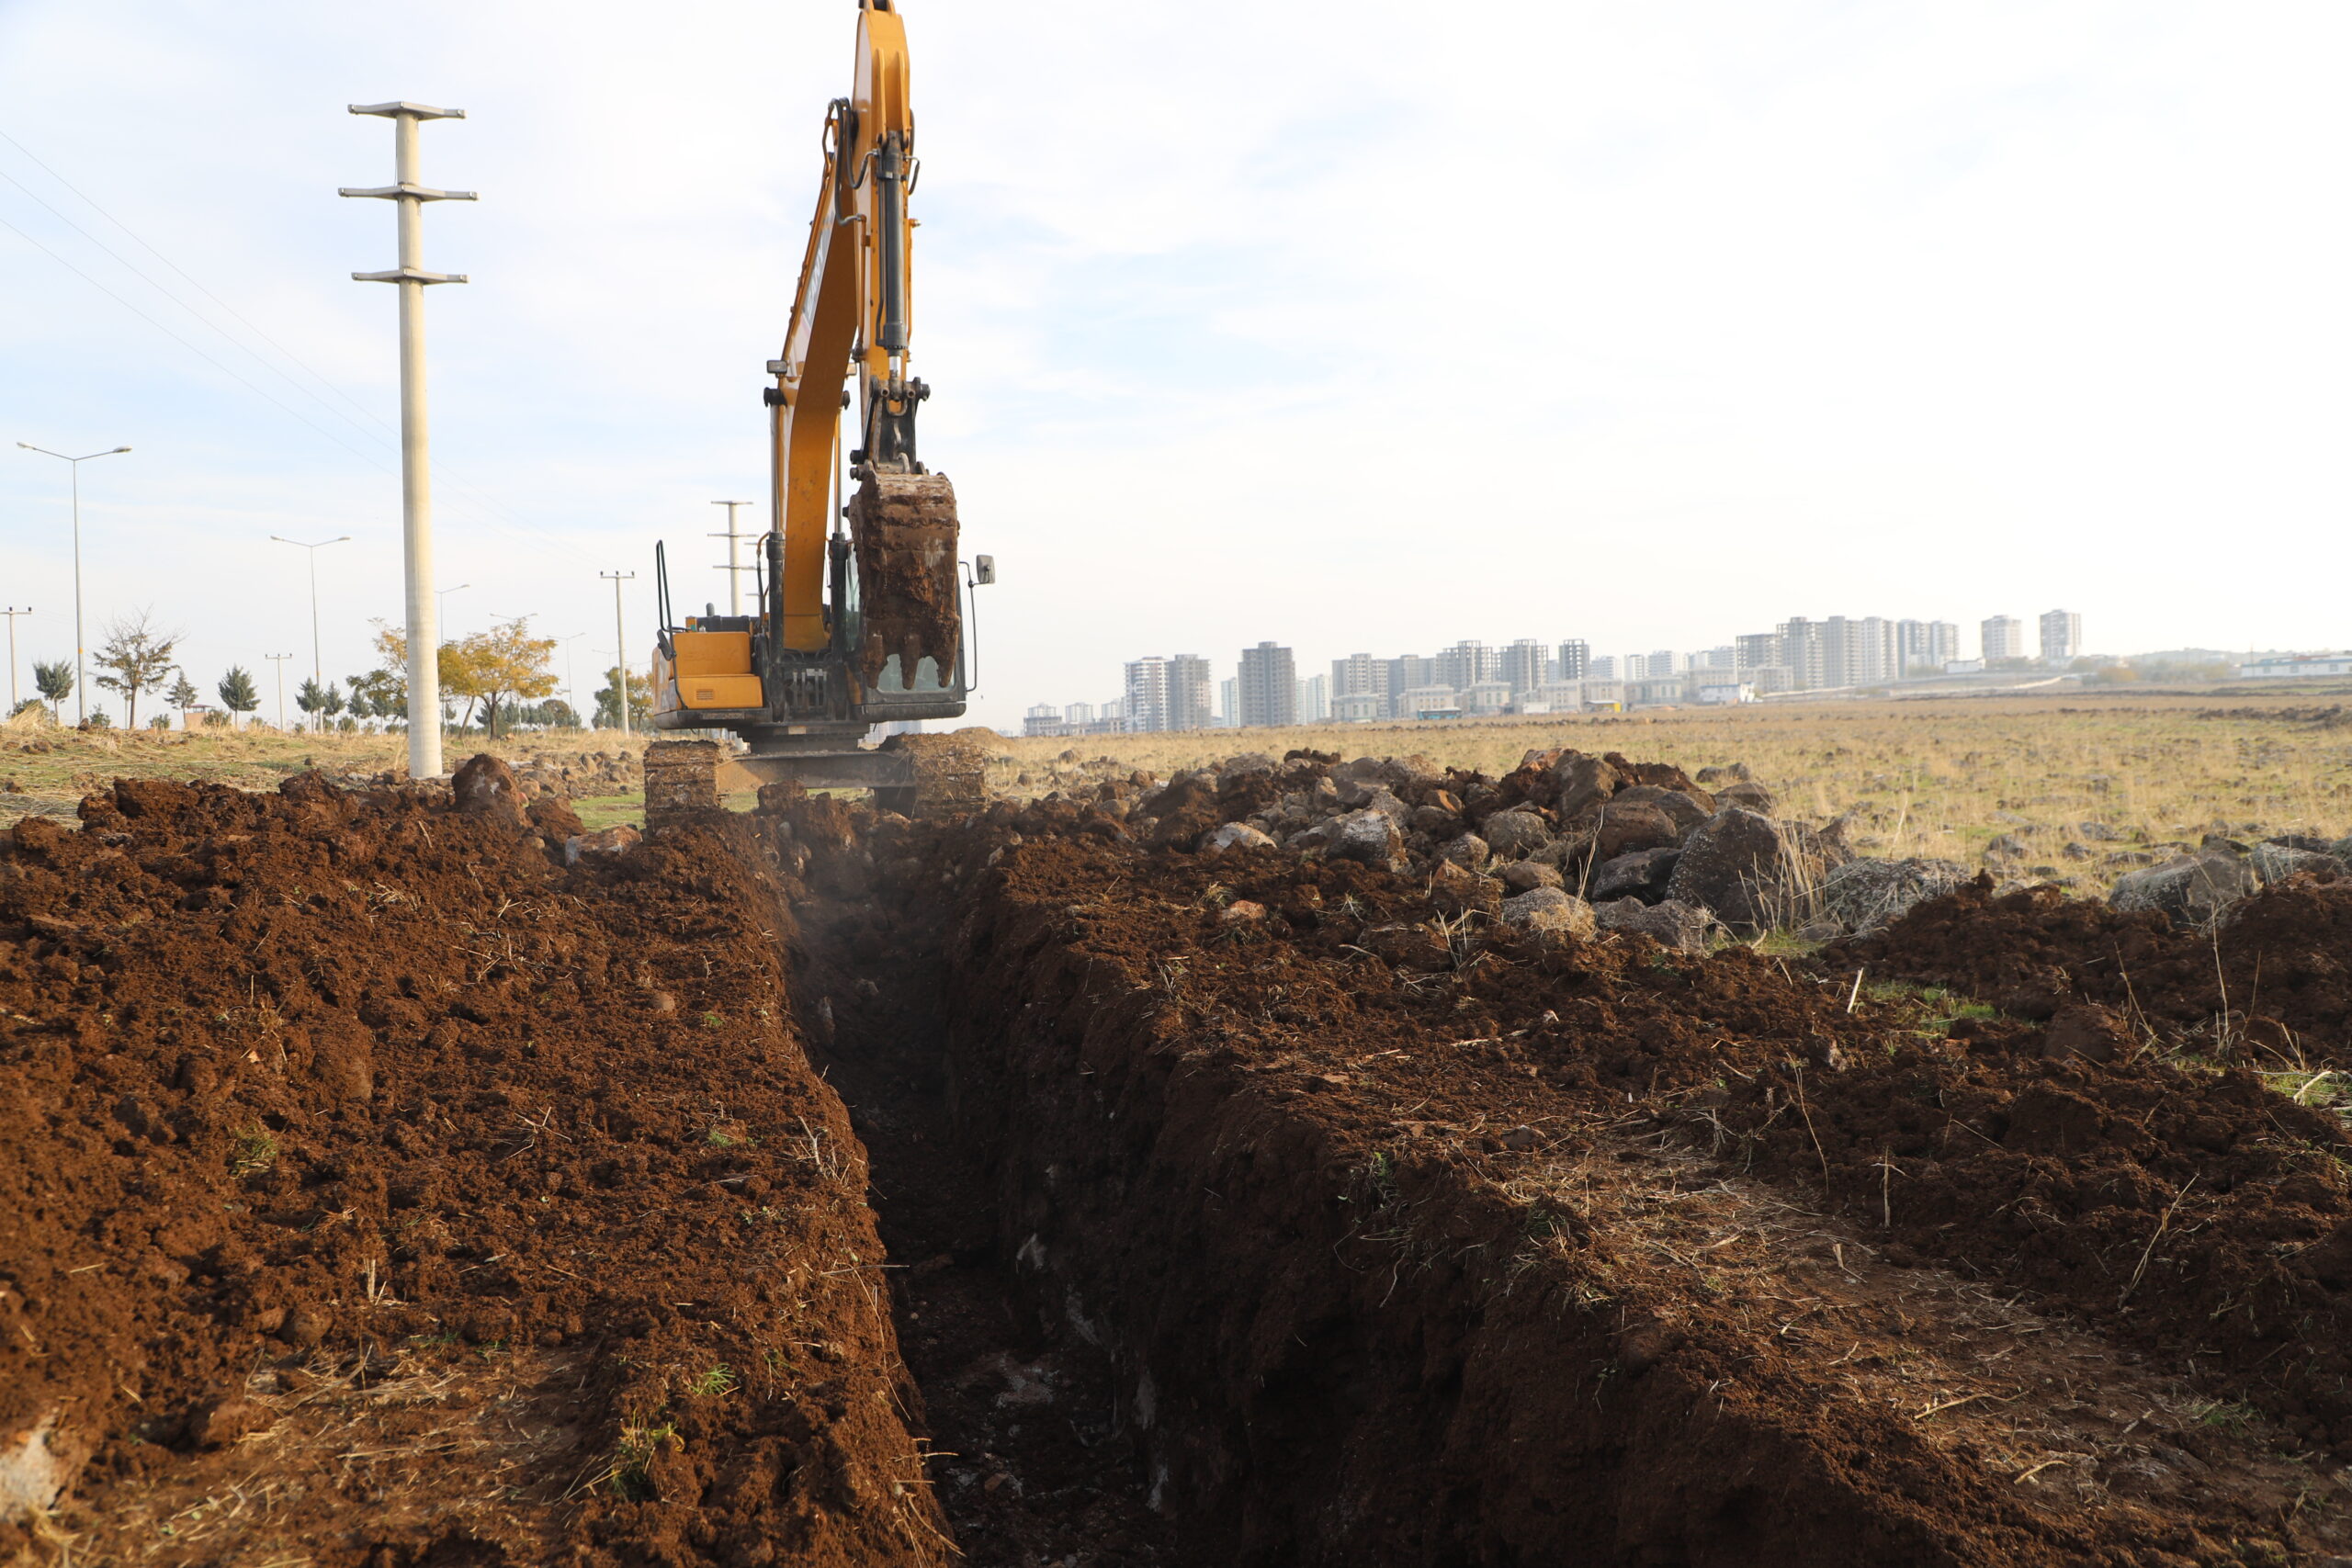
{"x":513,"y":525}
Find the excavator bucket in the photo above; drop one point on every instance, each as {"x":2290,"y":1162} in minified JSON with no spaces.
{"x":903,"y":527}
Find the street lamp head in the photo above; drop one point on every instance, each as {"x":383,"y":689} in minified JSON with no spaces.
{"x":119,"y":449}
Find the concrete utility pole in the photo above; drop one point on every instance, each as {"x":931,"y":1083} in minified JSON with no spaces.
{"x":416,"y":482}
{"x":318,"y":676}
{"x":280,"y":659}
{"x":81,"y":667}
{"x":621,"y":639}
{"x":12,"y":613}
{"x":734,"y":572}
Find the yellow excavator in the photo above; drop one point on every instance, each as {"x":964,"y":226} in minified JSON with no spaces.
{"x":860,"y":595}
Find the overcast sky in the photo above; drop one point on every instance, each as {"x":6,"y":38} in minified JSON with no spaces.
{"x":1370,"y":326}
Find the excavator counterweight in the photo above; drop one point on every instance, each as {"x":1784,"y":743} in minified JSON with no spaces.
{"x":861,"y":598}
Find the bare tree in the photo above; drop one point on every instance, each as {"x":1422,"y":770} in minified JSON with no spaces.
{"x":136,"y":657}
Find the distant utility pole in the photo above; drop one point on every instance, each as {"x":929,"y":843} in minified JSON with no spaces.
{"x":80,"y":669}
{"x":441,"y":605}
{"x":734,"y":572}
{"x":318,"y":675}
{"x":416,"y":481}
{"x":280,"y":659}
{"x":570,"y":691}
{"x":620,"y":639}
{"x":12,"y":613}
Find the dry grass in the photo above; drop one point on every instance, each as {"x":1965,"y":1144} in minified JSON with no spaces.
{"x":47,"y":768}
{"x":1940,"y":778}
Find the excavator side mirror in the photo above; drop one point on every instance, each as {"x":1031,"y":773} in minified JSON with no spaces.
{"x":983,"y":570}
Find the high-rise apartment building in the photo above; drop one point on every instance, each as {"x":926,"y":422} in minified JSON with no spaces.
{"x":1357,"y":675}
{"x":1407,"y":672}
{"x":1575,"y":660}
{"x":1758,"y":650}
{"x":1467,"y":663}
{"x":1044,"y":718}
{"x":1079,"y":714}
{"x":1229,"y":701}
{"x":1604,"y":668}
{"x":1146,"y":690}
{"x":2003,"y":638}
{"x":1925,"y":647}
{"x":1524,"y":664}
{"x":1269,"y":686}
{"x":2061,"y":637}
{"x":1188,"y":692}
{"x":1314,"y":699}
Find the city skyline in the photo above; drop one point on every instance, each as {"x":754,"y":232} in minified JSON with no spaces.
{"x":1533,"y":674}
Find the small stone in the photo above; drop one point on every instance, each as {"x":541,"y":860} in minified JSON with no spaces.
{"x":1549,"y":911}
{"x":1520,"y":1140}
{"x":1523,"y":875}
{"x":1241,"y":912}
{"x":1236,"y":836}
{"x":606,"y":842}
{"x":1515,"y":835}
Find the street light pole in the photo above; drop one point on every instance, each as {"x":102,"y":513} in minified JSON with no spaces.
{"x":570,"y":691}
{"x":280,"y":659}
{"x":81,"y":664}
{"x":318,"y":676}
{"x":620,"y":642}
{"x":416,"y":480}
{"x":12,"y":613}
{"x":734,"y":572}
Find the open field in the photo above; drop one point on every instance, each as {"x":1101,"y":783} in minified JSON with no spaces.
{"x":1941,"y":778}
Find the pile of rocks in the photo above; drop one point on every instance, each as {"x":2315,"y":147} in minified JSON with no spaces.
{"x":2197,"y":886}
{"x":579,"y":775}
{"x":1568,"y":842}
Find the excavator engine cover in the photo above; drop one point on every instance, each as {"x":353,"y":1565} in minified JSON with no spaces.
{"x":903,"y":528}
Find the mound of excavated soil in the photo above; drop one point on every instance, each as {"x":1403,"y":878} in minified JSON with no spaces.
{"x":2271,"y":982}
{"x":378,"y":1191}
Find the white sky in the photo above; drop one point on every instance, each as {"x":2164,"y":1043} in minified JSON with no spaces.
{"x":1356,"y":326}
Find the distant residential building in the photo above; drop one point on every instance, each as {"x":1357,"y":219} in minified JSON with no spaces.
{"x":1604,"y":691}
{"x":1724,"y":693}
{"x":1360,"y":675}
{"x":1662,"y":692}
{"x":1406,"y":672}
{"x":1147,"y":693}
{"x":1602,"y":669}
{"x":1314,"y":705}
{"x":1554,"y":696}
{"x":1079,"y":715}
{"x":1723,"y":658}
{"x":2002,"y":637}
{"x":1465,"y":664}
{"x":1925,"y":647}
{"x":1963,"y":666}
{"x":2288,"y":666}
{"x":1188,"y":692}
{"x":1487,"y":697}
{"x":1229,"y":701}
{"x":1575,"y":660}
{"x":1756,"y":650}
{"x":1802,"y":651}
{"x":1769,"y":678}
{"x":1524,"y":664}
{"x":2061,"y":637}
{"x":1359,"y":708}
{"x":1430,"y":702}
{"x":1044,"y":719}
{"x":1666,"y":661}
{"x":1269,"y":686}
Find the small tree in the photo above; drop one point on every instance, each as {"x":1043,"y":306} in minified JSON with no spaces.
{"x":608,"y":702}
{"x":507,"y":663}
{"x":159,"y":721}
{"x":54,"y":681}
{"x":380,"y":694}
{"x":136,"y":657}
{"x":183,"y":696}
{"x":238,"y":692}
{"x":312,"y":698}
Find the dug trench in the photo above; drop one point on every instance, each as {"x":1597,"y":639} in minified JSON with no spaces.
{"x":1330,"y":1226}
{"x":394,"y":1187}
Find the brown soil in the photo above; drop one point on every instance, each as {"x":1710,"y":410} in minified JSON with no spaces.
{"x":2271,"y":983}
{"x":384,"y":1191}
{"x":379,"y":1192}
{"x":1386,"y":1224}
